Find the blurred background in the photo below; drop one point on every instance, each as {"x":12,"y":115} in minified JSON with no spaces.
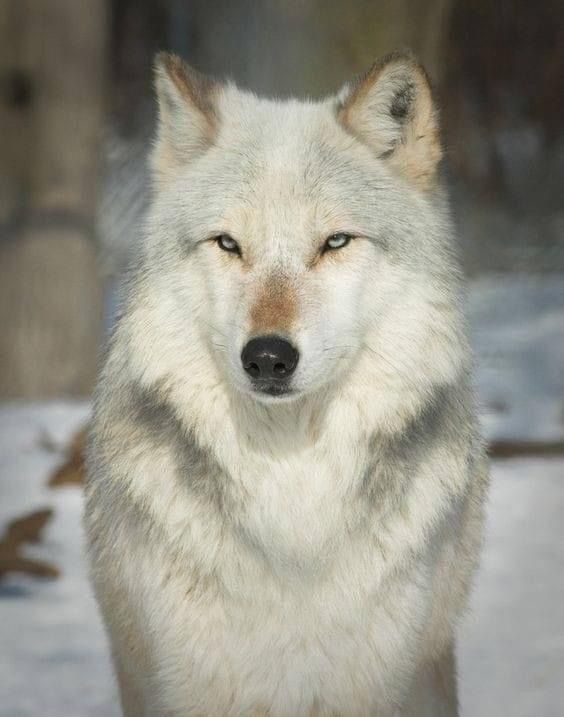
{"x":76,"y":119}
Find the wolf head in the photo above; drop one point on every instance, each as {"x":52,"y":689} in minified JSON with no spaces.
{"x":289,"y":240}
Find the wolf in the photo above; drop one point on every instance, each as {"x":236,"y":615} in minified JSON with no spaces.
{"x":286,"y":479}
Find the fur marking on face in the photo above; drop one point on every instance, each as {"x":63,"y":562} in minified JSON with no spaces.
{"x":275,"y":307}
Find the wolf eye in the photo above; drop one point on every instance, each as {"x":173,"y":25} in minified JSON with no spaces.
{"x":336,"y":241}
{"x":227,"y":243}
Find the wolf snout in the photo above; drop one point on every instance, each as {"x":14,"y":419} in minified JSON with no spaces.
{"x":269,"y":358}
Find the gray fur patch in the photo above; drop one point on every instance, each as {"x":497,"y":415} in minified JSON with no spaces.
{"x":403,"y":101}
{"x":195,"y":468}
{"x":444,"y":421}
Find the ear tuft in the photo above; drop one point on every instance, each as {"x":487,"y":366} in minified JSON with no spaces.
{"x":403,"y":101}
{"x":391,"y":110}
{"x":188,"y":117}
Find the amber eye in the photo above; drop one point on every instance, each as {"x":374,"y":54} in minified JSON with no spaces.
{"x":337,"y":241}
{"x":227,"y":243}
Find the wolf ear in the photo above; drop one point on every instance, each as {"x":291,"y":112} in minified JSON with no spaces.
{"x":391,"y":110}
{"x":187,"y":114}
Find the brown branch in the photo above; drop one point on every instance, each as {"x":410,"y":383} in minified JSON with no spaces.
{"x":71,"y":472}
{"x":27,"y":529}
{"x":515,"y":448}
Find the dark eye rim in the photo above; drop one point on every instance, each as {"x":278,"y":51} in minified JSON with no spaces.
{"x":348,"y":237}
{"x":235,"y":249}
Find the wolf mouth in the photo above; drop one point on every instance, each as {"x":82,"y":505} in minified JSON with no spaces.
{"x":271,"y":388}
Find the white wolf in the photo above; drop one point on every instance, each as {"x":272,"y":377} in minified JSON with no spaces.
{"x":285,"y":490}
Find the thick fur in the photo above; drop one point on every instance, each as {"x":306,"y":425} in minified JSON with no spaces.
{"x":307,"y":554}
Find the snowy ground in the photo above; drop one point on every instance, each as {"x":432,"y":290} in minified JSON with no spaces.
{"x":53,"y":659}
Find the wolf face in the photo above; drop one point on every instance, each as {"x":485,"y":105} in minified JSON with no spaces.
{"x":293,"y":237}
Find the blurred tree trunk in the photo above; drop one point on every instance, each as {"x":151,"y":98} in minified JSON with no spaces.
{"x":363,"y":31}
{"x":305,"y":46}
{"x":505,"y":109}
{"x":52,"y":55}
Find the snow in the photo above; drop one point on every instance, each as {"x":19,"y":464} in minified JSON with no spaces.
{"x":512,"y":644}
{"x":53,"y":660}
{"x":517,"y":331}
{"x":53,"y":657}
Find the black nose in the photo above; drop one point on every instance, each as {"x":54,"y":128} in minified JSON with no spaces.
{"x":269,"y":358}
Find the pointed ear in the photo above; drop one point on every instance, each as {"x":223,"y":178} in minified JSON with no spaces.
{"x":188,"y":118}
{"x":391,"y":110}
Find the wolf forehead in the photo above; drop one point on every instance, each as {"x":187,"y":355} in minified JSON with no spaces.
{"x":388,"y":114}
{"x":290,"y":150}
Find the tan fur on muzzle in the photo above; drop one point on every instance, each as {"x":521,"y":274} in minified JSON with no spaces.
{"x":275,"y":307}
